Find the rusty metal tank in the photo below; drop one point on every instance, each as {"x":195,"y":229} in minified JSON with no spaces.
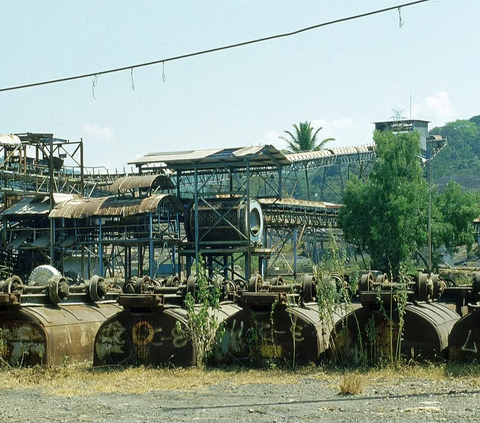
{"x":464,"y":339}
{"x":49,"y":322}
{"x":146,"y":332}
{"x":273,"y":328}
{"x":49,"y":335}
{"x":368,"y":332}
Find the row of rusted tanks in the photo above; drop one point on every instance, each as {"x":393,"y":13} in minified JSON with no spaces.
{"x":49,"y":320}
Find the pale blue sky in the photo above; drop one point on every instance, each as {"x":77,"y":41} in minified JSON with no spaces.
{"x":342,"y":77}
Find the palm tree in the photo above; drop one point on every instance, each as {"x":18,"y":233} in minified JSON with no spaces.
{"x":304,"y":139}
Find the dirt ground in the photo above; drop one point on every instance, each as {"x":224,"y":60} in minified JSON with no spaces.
{"x":309,"y":399}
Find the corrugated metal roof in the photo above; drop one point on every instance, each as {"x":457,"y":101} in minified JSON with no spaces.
{"x":266,"y":155}
{"x":9,"y":139}
{"x":142,"y":181}
{"x":113,"y":206}
{"x":38,"y":205}
{"x":312,"y":155}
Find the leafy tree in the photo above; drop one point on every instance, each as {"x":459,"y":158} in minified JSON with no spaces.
{"x":204,"y":328}
{"x":387,"y":215}
{"x":304,"y":139}
{"x":461,"y":155}
{"x":458,"y":209}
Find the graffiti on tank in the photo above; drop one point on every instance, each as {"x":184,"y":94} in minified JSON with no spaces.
{"x":470,"y":349}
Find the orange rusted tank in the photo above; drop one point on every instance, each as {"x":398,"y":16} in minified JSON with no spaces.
{"x":52,"y":323}
{"x":51,"y":335}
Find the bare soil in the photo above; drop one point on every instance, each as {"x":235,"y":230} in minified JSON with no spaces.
{"x":309,"y":396}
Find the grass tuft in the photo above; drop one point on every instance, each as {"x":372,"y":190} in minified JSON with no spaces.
{"x":351,"y":384}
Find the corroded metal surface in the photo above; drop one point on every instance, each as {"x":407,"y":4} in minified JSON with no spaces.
{"x":142,"y":182}
{"x":51,"y":336}
{"x":374,"y":332}
{"x":464,"y":340}
{"x":113,"y":206}
{"x":267,"y":329}
{"x":146,"y":332}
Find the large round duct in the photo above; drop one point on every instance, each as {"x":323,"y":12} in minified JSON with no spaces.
{"x":226,"y":220}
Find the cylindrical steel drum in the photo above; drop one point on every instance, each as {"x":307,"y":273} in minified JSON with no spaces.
{"x":223,"y":219}
{"x":277,"y":333}
{"x":368,"y":333}
{"x":51,"y":335}
{"x":464,"y":339}
{"x":146,"y":332}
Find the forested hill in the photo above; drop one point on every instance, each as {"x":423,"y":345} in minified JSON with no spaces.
{"x":460,"y":159}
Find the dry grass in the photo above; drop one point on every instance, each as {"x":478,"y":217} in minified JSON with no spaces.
{"x":80,"y":380}
{"x":351,"y":384}
{"x":85,"y":380}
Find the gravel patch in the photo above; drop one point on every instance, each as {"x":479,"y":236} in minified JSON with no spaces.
{"x":309,"y":400}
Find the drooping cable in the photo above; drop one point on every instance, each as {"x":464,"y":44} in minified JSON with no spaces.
{"x":212,"y":50}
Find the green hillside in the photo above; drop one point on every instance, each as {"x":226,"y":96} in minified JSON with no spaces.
{"x":460,"y":159}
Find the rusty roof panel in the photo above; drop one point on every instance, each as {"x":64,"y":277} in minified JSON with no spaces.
{"x":266,"y":155}
{"x":113,"y":206}
{"x":142,"y":181}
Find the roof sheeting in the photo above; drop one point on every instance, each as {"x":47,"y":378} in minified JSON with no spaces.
{"x":9,"y":140}
{"x":142,"y":182}
{"x":343,"y":151}
{"x":113,"y":206}
{"x":38,"y":205}
{"x":266,"y":155}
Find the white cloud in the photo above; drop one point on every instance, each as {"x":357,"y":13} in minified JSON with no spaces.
{"x":345,"y":132}
{"x":104,"y":135}
{"x":334,"y":128}
{"x":436,"y":109}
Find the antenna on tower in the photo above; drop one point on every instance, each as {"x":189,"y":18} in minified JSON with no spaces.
{"x":397,"y":114}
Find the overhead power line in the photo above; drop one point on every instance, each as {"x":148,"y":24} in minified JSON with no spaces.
{"x":212,"y":50}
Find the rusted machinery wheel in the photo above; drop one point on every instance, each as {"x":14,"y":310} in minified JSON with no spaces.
{"x":190,"y":286}
{"x":309,"y":289}
{"x":449,"y":282}
{"x":172,"y":281}
{"x":425,"y":286}
{"x":58,"y":289}
{"x":366,"y":282}
{"x":255,"y":283}
{"x":41,"y":275}
{"x":97,"y":288}
{"x":382,"y":278}
{"x":240,"y":284}
{"x":277,"y":280}
{"x":12,"y":284}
